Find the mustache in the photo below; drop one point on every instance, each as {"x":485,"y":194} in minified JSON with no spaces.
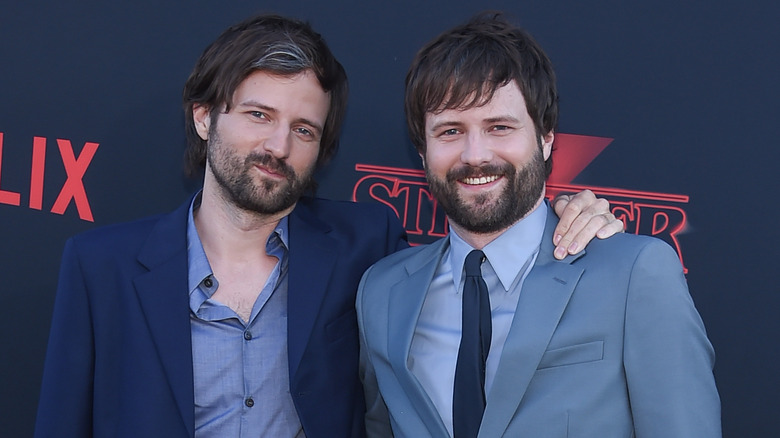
{"x":270,"y":162}
{"x":459,"y":173}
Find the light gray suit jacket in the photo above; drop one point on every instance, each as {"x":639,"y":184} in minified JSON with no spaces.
{"x":603,"y":344}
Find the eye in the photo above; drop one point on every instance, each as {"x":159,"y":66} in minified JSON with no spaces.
{"x":307,"y":134}
{"x":258,"y":115}
{"x":304,"y":131}
{"x":451,"y":131}
{"x":501,"y":130}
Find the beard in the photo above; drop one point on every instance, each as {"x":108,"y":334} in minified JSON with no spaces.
{"x":486,"y":213}
{"x":234,"y":174}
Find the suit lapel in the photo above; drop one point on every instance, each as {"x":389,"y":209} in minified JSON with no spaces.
{"x":316,"y":257}
{"x":543,"y":299}
{"x":162,"y":293}
{"x":405,"y":304}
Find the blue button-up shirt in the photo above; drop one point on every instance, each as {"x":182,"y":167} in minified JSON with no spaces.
{"x":436,"y":340}
{"x":240,"y":370}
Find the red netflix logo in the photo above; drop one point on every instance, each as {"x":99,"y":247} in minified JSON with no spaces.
{"x":72,"y":189}
{"x":406,"y":192}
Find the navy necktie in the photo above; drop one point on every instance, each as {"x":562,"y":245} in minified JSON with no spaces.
{"x":468,"y":401}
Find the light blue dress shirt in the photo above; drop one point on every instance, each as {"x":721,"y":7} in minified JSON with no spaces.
{"x":434,"y":349}
{"x":240,"y":368}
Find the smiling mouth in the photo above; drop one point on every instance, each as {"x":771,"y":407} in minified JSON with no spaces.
{"x":476,"y":181}
{"x":269,"y":165}
{"x":271,"y":170}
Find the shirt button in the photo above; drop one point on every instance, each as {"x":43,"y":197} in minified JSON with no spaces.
{"x":208,"y":282}
{"x":247,"y":335}
{"x":249,"y":402}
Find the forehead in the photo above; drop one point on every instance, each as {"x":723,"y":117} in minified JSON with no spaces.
{"x":300,"y":93}
{"x":507,"y":100}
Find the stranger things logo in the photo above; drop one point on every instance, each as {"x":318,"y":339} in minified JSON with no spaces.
{"x":661,"y":215}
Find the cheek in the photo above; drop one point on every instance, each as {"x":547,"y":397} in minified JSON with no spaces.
{"x":304,"y":158}
{"x":519,"y":155}
{"x":440,"y":160}
{"x":232,"y":133}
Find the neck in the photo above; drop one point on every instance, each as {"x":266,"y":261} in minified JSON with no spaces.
{"x":230,"y":232}
{"x":481,"y":240}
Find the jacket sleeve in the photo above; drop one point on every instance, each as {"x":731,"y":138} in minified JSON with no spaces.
{"x":65,"y":406}
{"x":377,"y":417}
{"x":668,"y":359}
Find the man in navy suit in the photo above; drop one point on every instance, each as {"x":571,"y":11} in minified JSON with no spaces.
{"x":233,"y":315}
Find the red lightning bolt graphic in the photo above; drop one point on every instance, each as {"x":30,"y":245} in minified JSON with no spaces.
{"x":572,"y":153}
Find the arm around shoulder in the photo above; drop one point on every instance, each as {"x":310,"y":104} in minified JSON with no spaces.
{"x":396,"y":235}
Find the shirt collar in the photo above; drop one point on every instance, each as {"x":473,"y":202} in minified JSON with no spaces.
{"x":508,"y":253}
{"x":198,"y":263}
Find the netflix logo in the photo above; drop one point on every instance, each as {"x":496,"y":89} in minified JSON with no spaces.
{"x":72,"y":190}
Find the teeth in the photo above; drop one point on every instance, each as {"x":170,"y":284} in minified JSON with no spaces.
{"x":480,"y":180}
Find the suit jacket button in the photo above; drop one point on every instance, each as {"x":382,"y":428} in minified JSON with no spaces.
{"x":248,"y":335}
{"x":249,"y":402}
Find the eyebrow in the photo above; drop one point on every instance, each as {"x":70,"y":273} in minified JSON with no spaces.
{"x":445,"y":123}
{"x":453,"y":123}
{"x":253,"y":103}
{"x":506,"y":118}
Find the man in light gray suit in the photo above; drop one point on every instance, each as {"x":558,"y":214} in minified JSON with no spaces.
{"x":605,"y":343}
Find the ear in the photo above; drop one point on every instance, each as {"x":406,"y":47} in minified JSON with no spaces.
{"x":547,"y":142}
{"x":422,"y":158}
{"x":202,"y":118}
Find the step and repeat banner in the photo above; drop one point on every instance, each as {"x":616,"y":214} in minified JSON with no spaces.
{"x":668,"y":109}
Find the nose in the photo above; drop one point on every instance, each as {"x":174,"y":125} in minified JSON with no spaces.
{"x":277,"y":143}
{"x":476,"y":150}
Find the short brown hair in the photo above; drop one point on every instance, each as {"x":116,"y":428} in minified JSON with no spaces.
{"x":463,"y":67}
{"x":278,"y":45}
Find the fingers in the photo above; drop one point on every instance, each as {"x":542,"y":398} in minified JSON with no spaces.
{"x":582,"y":217}
{"x":560,"y":202}
{"x":569,"y":208}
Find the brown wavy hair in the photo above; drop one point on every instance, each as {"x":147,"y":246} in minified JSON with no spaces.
{"x":278,"y":45}
{"x":463,"y":67}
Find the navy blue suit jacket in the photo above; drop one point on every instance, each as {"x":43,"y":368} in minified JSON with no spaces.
{"x":119,"y":361}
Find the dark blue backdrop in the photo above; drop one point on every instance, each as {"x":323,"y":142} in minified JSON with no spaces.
{"x":688,"y":93}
